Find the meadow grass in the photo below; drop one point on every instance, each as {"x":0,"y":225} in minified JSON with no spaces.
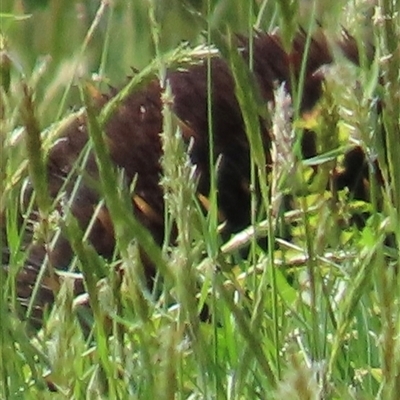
{"x":313,"y":317}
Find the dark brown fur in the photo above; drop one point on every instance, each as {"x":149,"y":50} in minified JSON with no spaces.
{"x":133,"y":135}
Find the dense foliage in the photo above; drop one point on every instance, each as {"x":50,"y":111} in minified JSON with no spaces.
{"x":303,"y":304}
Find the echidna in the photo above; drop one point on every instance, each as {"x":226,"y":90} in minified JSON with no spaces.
{"x":133,"y":138}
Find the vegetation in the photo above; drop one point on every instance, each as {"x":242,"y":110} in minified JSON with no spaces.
{"x":316,"y":316}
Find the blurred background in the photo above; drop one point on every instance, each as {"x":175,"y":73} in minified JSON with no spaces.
{"x":45,"y":39}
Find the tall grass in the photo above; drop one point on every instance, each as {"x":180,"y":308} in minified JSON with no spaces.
{"x":313,"y":317}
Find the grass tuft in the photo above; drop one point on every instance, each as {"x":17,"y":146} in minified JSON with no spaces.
{"x":304,"y":303}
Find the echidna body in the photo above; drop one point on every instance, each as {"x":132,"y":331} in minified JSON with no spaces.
{"x":133,"y":137}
